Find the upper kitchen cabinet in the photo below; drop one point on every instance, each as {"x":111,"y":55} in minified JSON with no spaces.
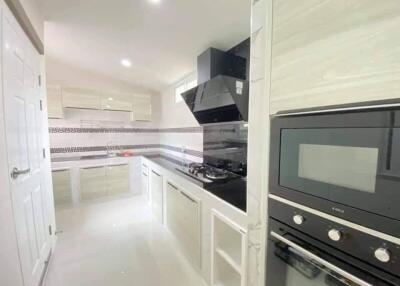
{"x":334,"y":52}
{"x":116,"y":105}
{"x":54,"y":102}
{"x":80,"y":99}
{"x":141,"y":108}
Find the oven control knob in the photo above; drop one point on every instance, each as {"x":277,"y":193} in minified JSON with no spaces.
{"x":382,"y":254}
{"x":335,"y":235}
{"x":298,"y":219}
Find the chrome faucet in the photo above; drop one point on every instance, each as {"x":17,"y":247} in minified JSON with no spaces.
{"x":109,"y":148}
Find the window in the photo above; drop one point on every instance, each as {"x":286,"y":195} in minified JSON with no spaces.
{"x":183,"y":86}
{"x":178,"y":91}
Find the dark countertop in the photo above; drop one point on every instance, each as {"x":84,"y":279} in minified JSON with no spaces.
{"x":99,"y":157}
{"x":233,"y":191}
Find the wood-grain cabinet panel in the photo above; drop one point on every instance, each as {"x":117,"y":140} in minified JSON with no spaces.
{"x":334,"y":52}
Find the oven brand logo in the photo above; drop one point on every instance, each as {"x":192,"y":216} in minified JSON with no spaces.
{"x":338,"y":210}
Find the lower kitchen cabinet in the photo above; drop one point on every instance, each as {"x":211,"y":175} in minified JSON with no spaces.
{"x":93,"y":182}
{"x":117,"y":177}
{"x":145,"y":181}
{"x":228,"y":257}
{"x":156,"y":187}
{"x":62,"y":187}
{"x":183,"y":220}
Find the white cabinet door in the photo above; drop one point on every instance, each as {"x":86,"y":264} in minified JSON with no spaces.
{"x":142,"y":110}
{"x":145,"y":181}
{"x":93,"y":183}
{"x":156,"y":187}
{"x":116,"y":105}
{"x":54,"y":102}
{"x":334,"y":52}
{"x":228,"y":251}
{"x":117,"y":179}
{"x":24,"y":130}
{"x":62,"y":187}
{"x":183,"y":220}
{"x":80,"y":100}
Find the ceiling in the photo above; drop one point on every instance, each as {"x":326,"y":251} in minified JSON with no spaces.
{"x":162,"y":40}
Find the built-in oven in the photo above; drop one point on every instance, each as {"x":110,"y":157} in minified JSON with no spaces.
{"x":296,"y":259}
{"x":346,"y":164}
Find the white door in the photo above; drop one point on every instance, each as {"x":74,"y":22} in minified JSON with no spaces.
{"x":22,"y":109}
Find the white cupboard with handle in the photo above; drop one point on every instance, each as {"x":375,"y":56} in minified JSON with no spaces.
{"x":62,"y":187}
{"x":116,"y":105}
{"x":93,"y":182}
{"x":80,"y":99}
{"x":117,"y":177}
{"x":156,"y":188}
{"x":54,"y":102}
{"x":183,"y":220}
{"x":145,"y":181}
{"x":142,"y":110}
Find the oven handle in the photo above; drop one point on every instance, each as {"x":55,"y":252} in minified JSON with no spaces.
{"x":320,"y":260}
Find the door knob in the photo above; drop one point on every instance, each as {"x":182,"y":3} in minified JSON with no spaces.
{"x":15,"y":173}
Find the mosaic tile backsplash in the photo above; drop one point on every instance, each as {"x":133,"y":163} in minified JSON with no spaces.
{"x":185,"y":143}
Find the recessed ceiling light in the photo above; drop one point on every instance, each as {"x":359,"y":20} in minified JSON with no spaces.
{"x":126,"y":63}
{"x":110,"y":98}
{"x":154,"y":1}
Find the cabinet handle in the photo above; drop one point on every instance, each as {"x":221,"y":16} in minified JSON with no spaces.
{"x":95,"y":167}
{"x":155,"y":173}
{"x":171,"y":185}
{"x":189,"y":198}
{"x":144,"y":174}
{"x":144,"y":165}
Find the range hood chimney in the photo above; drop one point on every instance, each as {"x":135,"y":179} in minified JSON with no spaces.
{"x":223,"y":91}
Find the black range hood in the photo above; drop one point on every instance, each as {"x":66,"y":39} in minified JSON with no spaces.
{"x":223,"y":92}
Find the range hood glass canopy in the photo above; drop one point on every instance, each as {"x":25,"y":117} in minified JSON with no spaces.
{"x":221,"y":99}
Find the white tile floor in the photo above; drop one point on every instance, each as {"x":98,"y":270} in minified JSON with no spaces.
{"x":117,"y":243}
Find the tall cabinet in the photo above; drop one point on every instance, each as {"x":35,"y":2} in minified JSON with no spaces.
{"x":334,"y":52}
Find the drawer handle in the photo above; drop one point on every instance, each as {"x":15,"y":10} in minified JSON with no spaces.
{"x":172,"y":186}
{"x":144,"y":174}
{"x":189,"y":198}
{"x":144,"y":165}
{"x":155,"y":173}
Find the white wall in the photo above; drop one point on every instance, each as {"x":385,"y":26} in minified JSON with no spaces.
{"x":175,"y":114}
{"x":178,"y":115}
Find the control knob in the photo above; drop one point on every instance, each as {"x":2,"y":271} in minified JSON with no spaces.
{"x":298,"y":219}
{"x":335,"y":235}
{"x":382,"y":254}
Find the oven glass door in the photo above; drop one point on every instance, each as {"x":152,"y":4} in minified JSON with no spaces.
{"x":350,"y":166}
{"x":292,"y":264}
